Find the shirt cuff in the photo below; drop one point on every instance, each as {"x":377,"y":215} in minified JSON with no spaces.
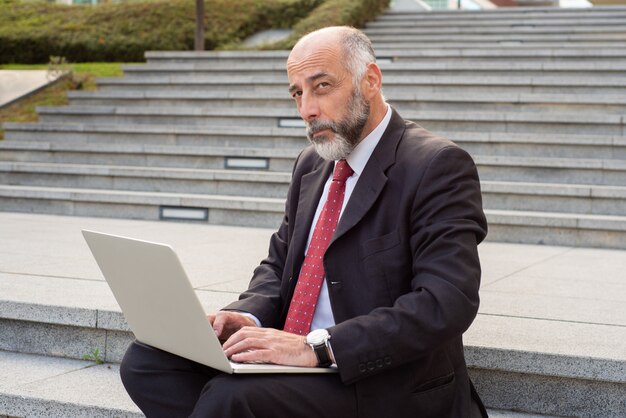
{"x":254,"y":318}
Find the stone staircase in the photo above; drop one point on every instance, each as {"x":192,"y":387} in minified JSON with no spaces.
{"x":537,"y":96}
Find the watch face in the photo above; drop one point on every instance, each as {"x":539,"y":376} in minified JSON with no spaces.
{"x":317,"y":337}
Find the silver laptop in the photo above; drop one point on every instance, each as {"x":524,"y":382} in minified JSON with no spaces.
{"x":161,"y":307}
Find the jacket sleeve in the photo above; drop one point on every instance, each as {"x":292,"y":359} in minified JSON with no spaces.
{"x":445,"y":226}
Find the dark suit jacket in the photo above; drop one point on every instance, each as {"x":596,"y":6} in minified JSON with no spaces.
{"x":402,"y":271}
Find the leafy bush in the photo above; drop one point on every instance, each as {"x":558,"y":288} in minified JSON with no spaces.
{"x":31,"y":32}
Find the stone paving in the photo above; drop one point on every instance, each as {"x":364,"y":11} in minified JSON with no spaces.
{"x":538,"y":298}
{"x":18,"y":83}
{"x":545,"y":310}
{"x":558,"y":303}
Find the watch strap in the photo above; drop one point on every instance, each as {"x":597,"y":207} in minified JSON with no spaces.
{"x":323,"y":354}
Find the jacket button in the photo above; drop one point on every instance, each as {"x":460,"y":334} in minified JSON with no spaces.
{"x":388,"y":361}
{"x":362,"y":367}
{"x":379,"y":363}
{"x":370,"y":365}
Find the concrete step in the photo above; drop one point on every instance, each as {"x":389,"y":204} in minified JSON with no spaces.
{"x":540,"y":145}
{"x":40,"y":386}
{"x":516,"y":25}
{"x":604,"y":231}
{"x":252,"y":83}
{"x":516,"y":11}
{"x":185,"y":139}
{"x":393,"y":41}
{"x":532,"y":227}
{"x":554,"y":198}
{"x":249,"y":59}
{"x":63,"y":379}
{"x":401,"y":100}
{"x":519,"y":43}
{"x":502,"y":195}
{"x":394,"y":85}
{"x":504,"y":53}
{"x":540,"y":195}
{"x":515,"y":20}
{"x":79,"y":317}
{"x":404,"y":68}
{"x":246,"y":183}
{"x":535,"y":301}
{"x":506,"y":12}
{"x":516,"y":122}
{"x":427,"y":67}
{"x":213,"y":209}
{"x":152,"y":144}
{"x":495,"y":31}
{"x":175,"y":156}
{"x":552,"y":170}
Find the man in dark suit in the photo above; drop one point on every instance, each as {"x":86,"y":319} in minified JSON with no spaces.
{"x":384,"y":294}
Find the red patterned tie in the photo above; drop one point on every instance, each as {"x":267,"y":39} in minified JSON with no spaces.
{"x":309,"y":283}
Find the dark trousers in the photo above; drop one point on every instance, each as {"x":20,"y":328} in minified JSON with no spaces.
{"x":165,"y":385}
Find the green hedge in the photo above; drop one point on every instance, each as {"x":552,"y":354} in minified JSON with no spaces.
{"x":31,"y":32}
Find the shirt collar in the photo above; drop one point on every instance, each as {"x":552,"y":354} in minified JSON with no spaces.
{"x":361,"y":154}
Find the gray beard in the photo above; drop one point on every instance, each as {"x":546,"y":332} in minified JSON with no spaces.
{"x":337,"y":149}
{"x":347,"y":132}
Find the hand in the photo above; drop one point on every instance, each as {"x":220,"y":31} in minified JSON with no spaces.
{"x":226,"y":323}
{"x":268,"y":345}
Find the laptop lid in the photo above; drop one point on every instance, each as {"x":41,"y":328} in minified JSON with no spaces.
{"x":160,"y":305}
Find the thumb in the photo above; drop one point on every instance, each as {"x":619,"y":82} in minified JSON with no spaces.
{"x":218,"y":324}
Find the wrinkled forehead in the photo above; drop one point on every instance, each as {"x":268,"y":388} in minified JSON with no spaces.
{"x":311,"y":57}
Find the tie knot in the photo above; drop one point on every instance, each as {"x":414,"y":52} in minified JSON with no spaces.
{"x":342,"y":171}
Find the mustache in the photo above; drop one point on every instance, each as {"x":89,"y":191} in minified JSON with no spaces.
{"x":319,"y":125}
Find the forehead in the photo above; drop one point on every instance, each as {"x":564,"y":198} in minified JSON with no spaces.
{"x":307,"y":60}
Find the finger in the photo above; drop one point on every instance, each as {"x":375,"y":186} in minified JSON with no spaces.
{"x":246,"y":345}
{"x":247,"y":332}
{"x":244,"y":334}
{"x":219,"y":323}
{"x":253,"y":356}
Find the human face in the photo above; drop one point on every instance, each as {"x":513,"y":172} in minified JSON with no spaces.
{"x":327,"y":99}
{"x":346,"y":133}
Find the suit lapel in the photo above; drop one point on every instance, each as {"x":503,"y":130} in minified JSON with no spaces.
{"x":369,"y":186}
{"x":373,"y":178}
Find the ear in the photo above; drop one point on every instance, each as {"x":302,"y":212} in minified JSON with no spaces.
{"x":372,"y":81}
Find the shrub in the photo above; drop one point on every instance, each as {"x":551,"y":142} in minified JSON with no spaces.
{"x":31,"y":32}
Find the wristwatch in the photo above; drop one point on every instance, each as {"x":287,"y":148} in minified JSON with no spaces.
{"x":318,"y":340}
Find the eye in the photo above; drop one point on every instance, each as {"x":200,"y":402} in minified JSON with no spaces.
{"x":296,"y":94}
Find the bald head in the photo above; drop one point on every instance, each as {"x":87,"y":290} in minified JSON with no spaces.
{"x":345,"y":44}
{"x":336,"y":86}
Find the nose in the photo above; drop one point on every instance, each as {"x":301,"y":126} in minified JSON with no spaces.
{"x":309,"y":107}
